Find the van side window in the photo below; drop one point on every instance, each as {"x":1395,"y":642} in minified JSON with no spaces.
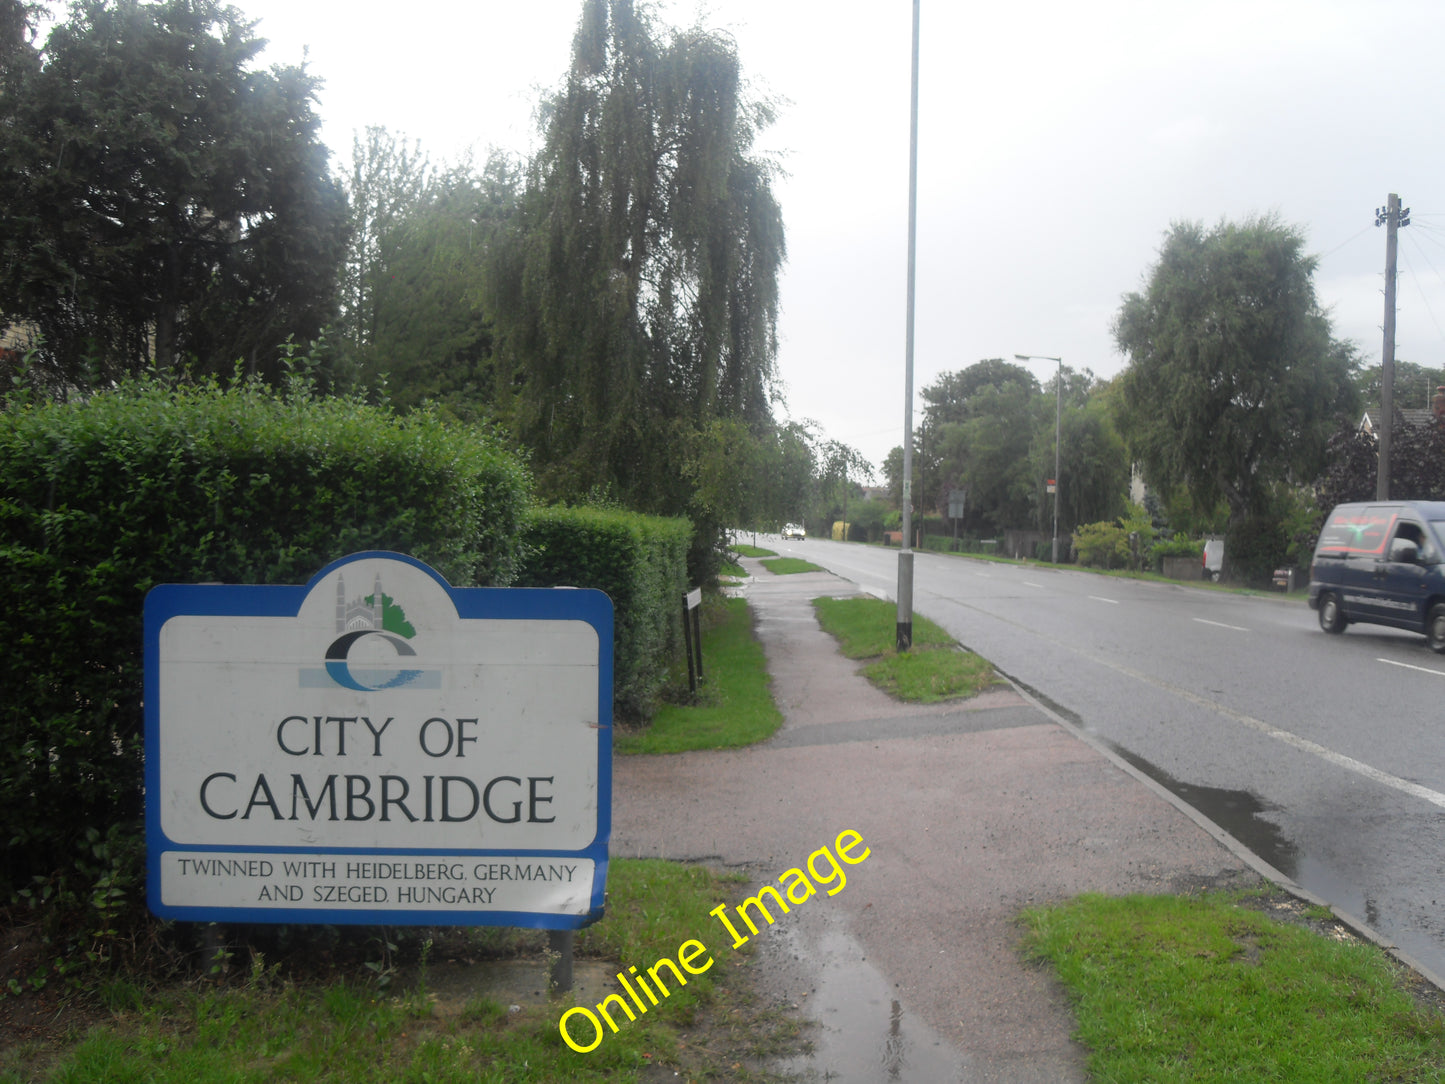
{"x":1412,"y":532}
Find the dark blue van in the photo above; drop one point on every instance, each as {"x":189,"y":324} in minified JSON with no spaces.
{"x":1382,"y":563}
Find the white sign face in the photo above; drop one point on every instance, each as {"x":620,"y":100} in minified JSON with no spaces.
{"x":378,"y":747}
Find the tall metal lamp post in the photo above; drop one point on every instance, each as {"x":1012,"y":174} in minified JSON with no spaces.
{"x":1058,"y":425}
{"x":904,"y":633}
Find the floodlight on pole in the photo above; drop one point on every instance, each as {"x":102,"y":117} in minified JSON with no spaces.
{"x":1058,"y":425}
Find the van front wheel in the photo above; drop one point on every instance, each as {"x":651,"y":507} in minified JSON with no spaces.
{"x":1332,"y":618}
{"x":1435,"y":628}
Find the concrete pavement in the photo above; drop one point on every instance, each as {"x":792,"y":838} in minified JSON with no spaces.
{"x":971,"y":811}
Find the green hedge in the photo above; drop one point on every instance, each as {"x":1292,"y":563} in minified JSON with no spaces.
{"x":104,"y":498}
{"x":1177,"y":546}
{"x":641,"y":563}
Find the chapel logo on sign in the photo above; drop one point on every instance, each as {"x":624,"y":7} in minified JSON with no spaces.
{"x":372,"y":641}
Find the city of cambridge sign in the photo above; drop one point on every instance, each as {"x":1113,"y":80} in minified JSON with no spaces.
{"x":378,"y":747}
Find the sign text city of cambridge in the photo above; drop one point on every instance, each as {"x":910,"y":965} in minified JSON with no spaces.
{"x":378,"y":747}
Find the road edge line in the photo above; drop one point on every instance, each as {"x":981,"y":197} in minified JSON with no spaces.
{"x":1238,"y":849}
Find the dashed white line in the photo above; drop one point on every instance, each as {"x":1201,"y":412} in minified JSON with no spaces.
{"x":1220,"y":625}
{"x":1407,"y":666}
{"x":1110,"y":601}
{"x":1030,"y":583}
{"x":1405,"y":786}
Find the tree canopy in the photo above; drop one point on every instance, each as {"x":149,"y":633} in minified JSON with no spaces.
{"x":414,"y":317}
{"x":989,"y":429}
{"x":162,"y":198}
{"x":1234,"y":380}
{"x":639,"y":288}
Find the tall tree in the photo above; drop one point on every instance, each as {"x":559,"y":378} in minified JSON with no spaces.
{"x":388,"y":179}
{"x":951,"y":397}
{"x":161,"y":198}
{"x":1094,"y":482}
{"x":1234,"y":379}
{"x":414,"y":315}
{"x":640,"y":287}
{"x":975,"y":434}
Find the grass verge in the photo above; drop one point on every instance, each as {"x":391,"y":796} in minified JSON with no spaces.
{"x":735,"y":705}
{"x":752,"y":551}
{"x":1207,"y":988}
{"x":786,"y":566}
{"x":266,"y":1028}
{"x":935,"y":669}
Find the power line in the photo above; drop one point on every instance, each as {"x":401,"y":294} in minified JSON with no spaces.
{"x":1342,"y":244}
{"x":1424,"y":298}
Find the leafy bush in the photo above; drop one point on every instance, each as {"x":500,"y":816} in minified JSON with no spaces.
{"x":641,"y":563}
{"x":1102,"y":545}
{"x":1178,"y":546}
{"x":104,"y":498}
{"x":867,"y":518}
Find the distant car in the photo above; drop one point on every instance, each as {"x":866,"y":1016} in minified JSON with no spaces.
{"x":794,"y":531}
{"x":1213,"y":560}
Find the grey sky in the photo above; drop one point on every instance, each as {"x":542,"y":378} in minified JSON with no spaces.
{"x":1058,"y":141}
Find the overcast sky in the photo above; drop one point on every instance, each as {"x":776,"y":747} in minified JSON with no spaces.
{"x":1058,"y":141}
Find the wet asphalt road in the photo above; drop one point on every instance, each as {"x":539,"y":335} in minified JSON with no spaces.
{"x":1324,"y":755}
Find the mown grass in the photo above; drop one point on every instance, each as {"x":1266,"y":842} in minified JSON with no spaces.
{"x":787,"y":566}
{"x":934,"y":669}
{"x":268,"y":1029}
{"x":752,"y":551}
{"x":1201,"y":989}
{"x":735,"y":703}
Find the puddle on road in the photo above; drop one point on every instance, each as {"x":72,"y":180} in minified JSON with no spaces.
{"x":864,"y":1034}
{"x":1236,"y":811}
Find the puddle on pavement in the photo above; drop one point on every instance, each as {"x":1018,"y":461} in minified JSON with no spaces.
{"x":864,"y":1034}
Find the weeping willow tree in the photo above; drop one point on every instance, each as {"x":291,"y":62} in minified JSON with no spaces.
{"x":636,"y":302}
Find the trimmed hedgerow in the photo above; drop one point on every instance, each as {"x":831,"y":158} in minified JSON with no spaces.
{"x":641,"y":563}
{"x":104,"y":498}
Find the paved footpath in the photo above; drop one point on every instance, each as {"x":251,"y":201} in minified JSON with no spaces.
{"x":971,"y":811}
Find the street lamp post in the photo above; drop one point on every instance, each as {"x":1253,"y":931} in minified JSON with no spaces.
{"x":904,"y":631}
{"x":1058,"y":425}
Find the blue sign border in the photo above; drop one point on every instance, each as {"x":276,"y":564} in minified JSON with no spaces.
{"x":493,"y":603}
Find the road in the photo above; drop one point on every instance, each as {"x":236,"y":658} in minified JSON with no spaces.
{"x":1325,"y":755}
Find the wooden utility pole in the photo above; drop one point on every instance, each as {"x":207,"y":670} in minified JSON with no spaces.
{"x":1392,"y":218}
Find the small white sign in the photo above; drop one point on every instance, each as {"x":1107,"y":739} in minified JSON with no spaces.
{"x":378,"y":747}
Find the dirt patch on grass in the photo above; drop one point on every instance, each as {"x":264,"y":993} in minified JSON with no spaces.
{"x":1282,"y":906}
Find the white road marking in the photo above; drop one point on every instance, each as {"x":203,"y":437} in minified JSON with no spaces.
{"x":1030,"y":583}
{"x":1415,"y":790}
{"x":1220,"y":625}
{"x":1110,"y":601}
{"x":1407,"y":666}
